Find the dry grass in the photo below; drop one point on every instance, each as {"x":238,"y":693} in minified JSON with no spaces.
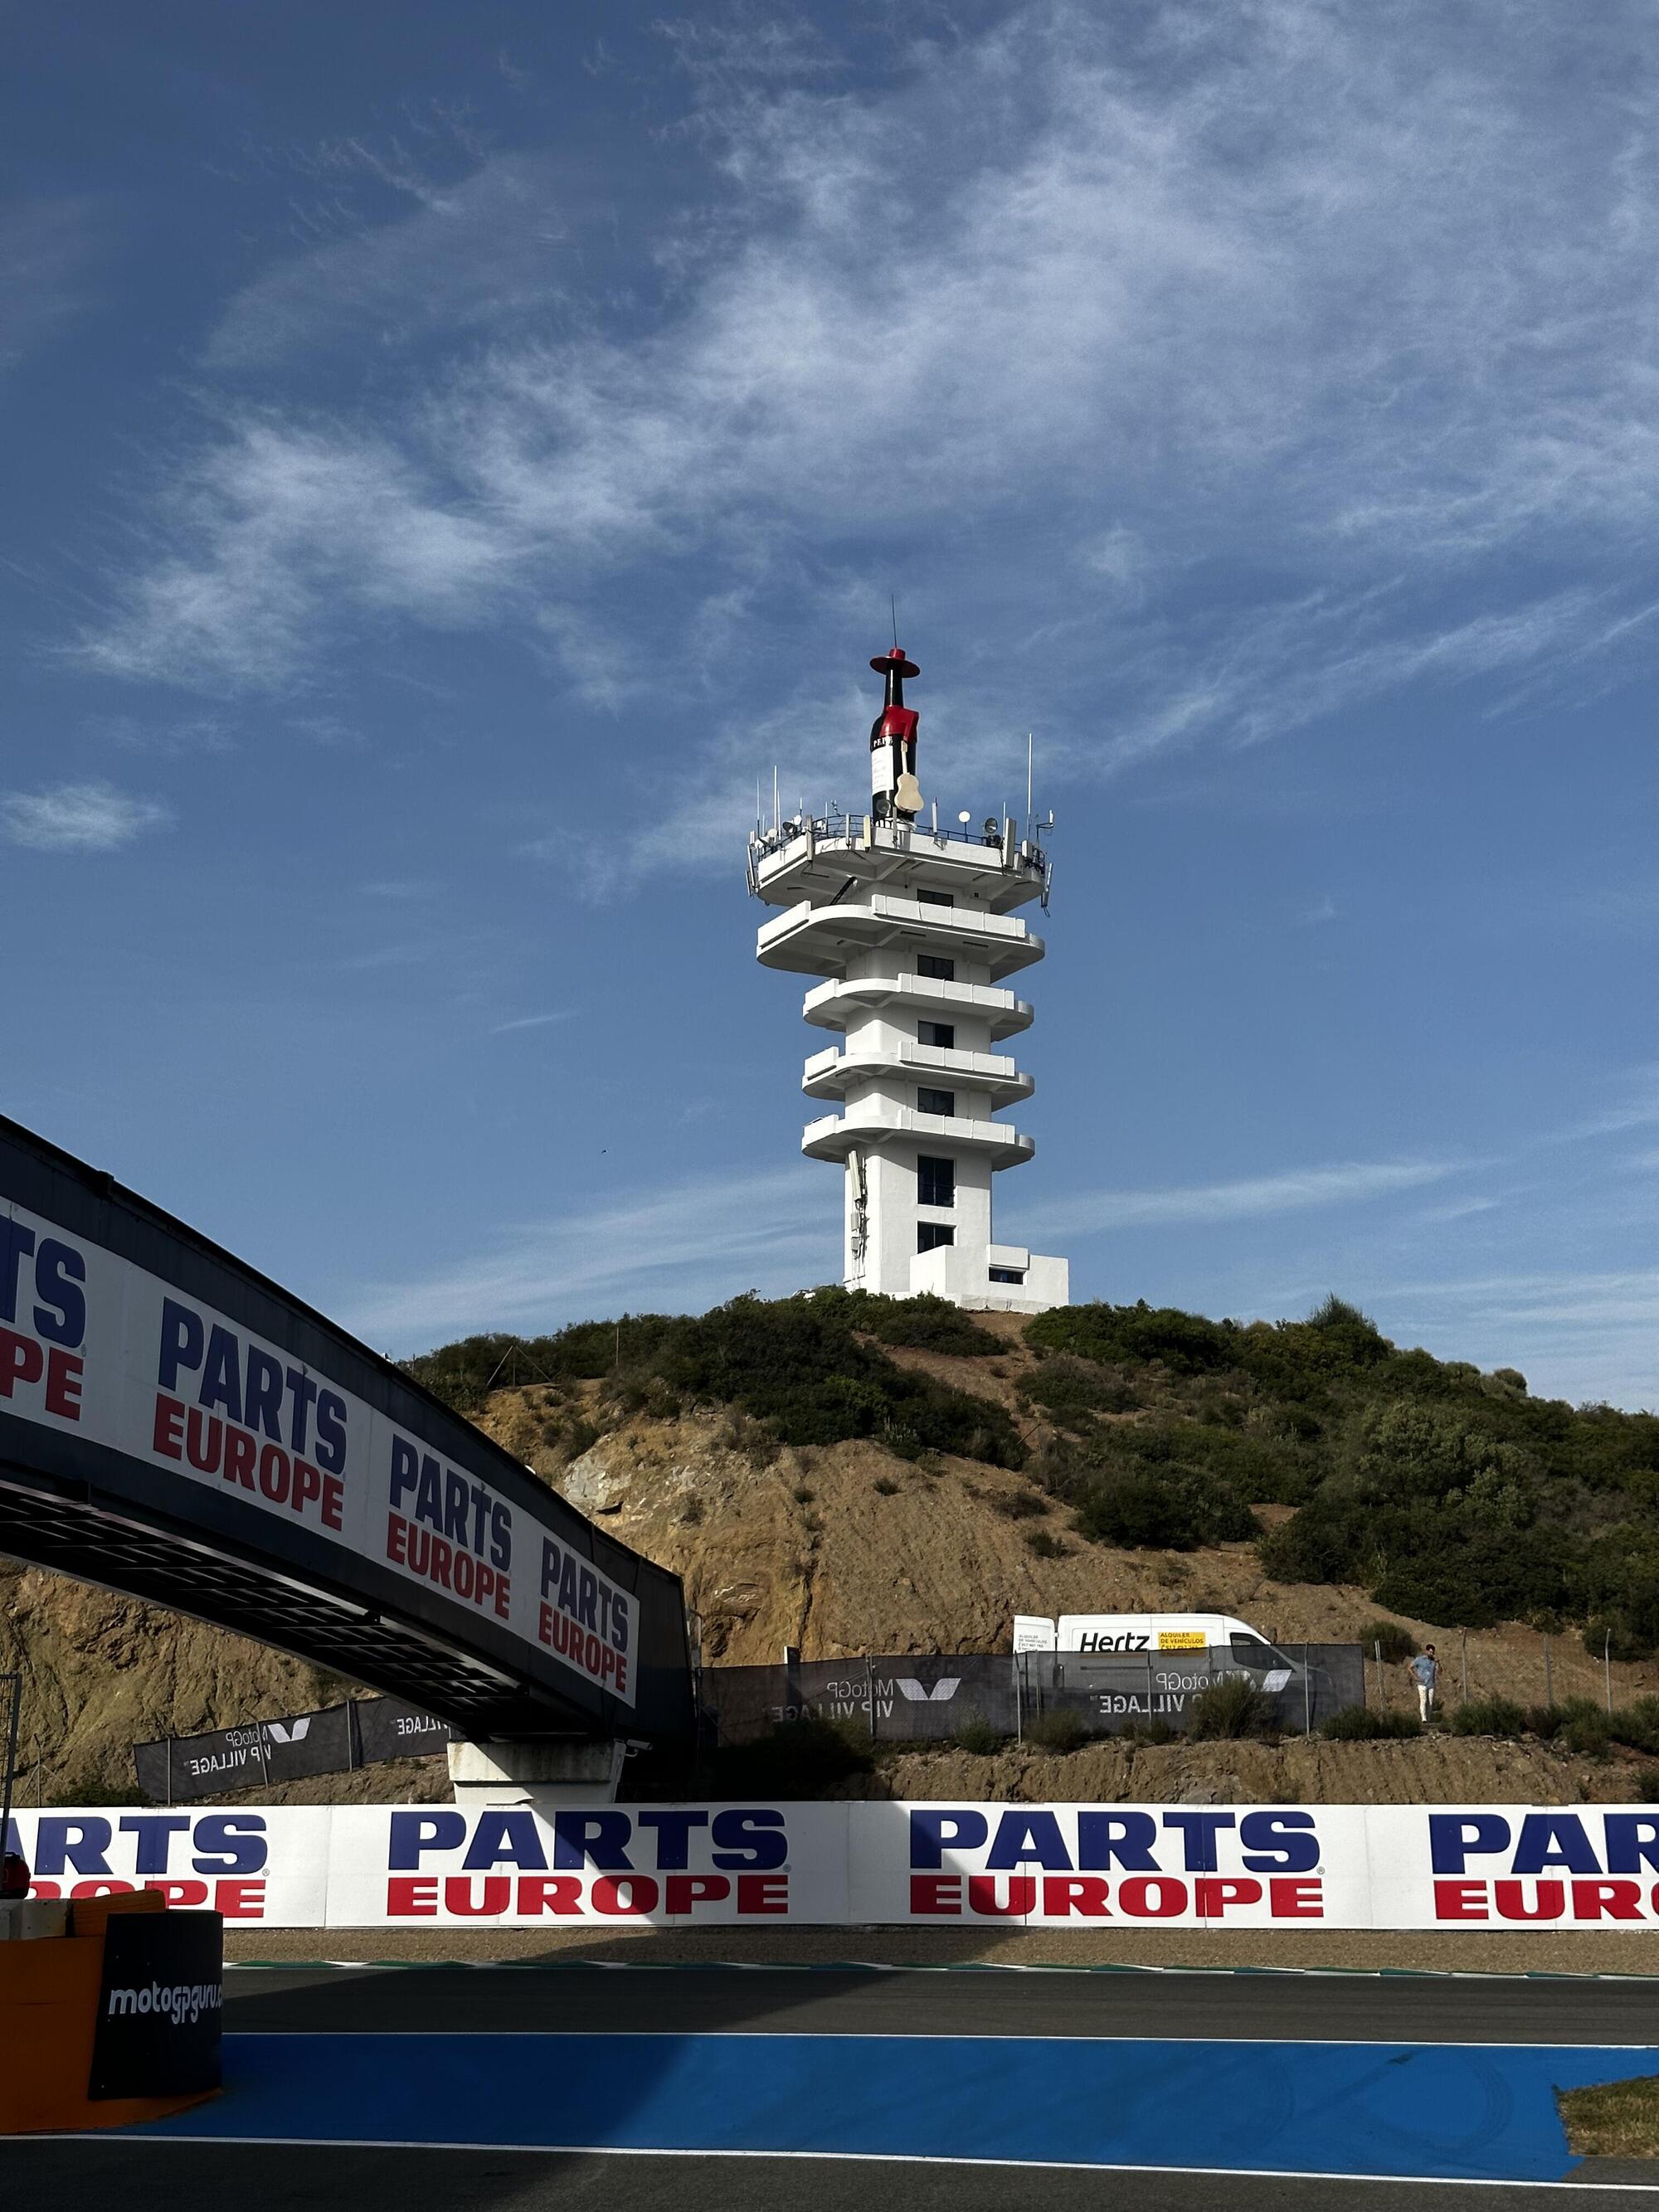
{"x":1616,"y":2119}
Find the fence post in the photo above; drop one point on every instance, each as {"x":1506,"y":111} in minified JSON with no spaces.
{"x":1549,"y":1678}
{"x":1307,"y":1695}
{"x":1149,"y":1690}
{"x":870,"y":1692}
{"x":1381,"y":1694}
{"x":1466,"y":1666}
{"x":1019,"y":1697}
{"x":1607,"y":1664}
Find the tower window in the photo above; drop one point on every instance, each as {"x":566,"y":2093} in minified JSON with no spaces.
{"x":931,"y":964}
{"x":936,"y":1181}
{"x":936,"y":1101}
{"x":930,"y":1235}
{"x":942,"y":1033}
{"x":1007,"y":1274}
{"x":935,"y":898}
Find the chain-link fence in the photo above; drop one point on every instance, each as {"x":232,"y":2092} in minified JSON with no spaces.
{"x":932,"y":1699}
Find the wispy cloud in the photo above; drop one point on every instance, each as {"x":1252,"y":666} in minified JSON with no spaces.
{"x":532,"y":1021}
{"x":47,"y":249}
{"x":79,"y":818}
{"x":1384,"y":296}
{"x":1293,"y":1190}
{"x":683,"y":1246}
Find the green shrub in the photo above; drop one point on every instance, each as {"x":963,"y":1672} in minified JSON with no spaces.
{"x":884,"y":1486}
{"x":1645,"y":1789}
{"x":1175,"y":1511}
{"x":975,"y":1733}
{"x":799,"y":1758}
{"x":1073,"y":1392}
{"x":1044,"y":1544}
{"x":1018,"y":1504}
{"x":1358,"y":1725}
{"x":1488,"y":1717}
{"x":1231,"y":1706}
{"x":1637,"y":1724}
{"x":924,"y":1324}
{"x":1396,"y":1641}
{"x":1058,"y":1728}
{"x":1156,"y":1730}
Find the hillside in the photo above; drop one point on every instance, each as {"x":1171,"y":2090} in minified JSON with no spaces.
{"x":853,"y":1475}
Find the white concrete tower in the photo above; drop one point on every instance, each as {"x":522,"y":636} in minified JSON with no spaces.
{"x":914,"y":929}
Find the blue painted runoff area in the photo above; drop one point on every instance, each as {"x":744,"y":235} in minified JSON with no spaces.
{"x":1475,"y":2111}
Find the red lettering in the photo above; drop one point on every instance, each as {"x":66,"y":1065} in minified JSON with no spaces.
{"x":441,"y":1555}
{"x":683,"y":1892}
{"x":466,"y":1573}
{"x":241,"y":1899}
{"x":621,"y":1675}
{"x":763,"y":1892}
{"x":1606,"y":1900}
{"x":396,"y":1529}
{"x":1135,"y":1897}
{"x":47,"y":1889}
{"x":276,"y":1475}
{"x":21,"y":1360}
{"x":1213,"y":1892}
{"x":608,"y":1896}
{"x":169,"y":1420}
{"x":307,"y":1484}
{"x":496,"y":1898}
{"x":549,"y":1892}
{"x":240,"y":1452}
{"x":181,"y":1893}
{"x":102,"y":1889}
{"x":936,"y":1894}
{"x":1549,"y":1902}
{"x":1461,"y":1900}
{"x":63,"y":1373}
{"x":1289,"y":1898}
{"x":411,"y":1897}
{"x":1084,"y":1894}
{"x":333,"y":1498}
{"x":982,"y":1896}
{"x":204,"y":1438}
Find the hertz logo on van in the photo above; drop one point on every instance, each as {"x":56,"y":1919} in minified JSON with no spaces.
{"x":1182,"y":1640}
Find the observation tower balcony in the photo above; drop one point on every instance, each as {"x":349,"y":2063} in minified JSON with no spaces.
{"x":878,"y":1122}
{"x":815,"y":858}
{"x":832,"y":1074}
{"x":831,"y":1005}
{"x":820,"y":940}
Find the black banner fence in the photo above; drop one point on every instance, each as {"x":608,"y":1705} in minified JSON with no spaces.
{"x":362,"y":1732}
{"x":930,"y":1700}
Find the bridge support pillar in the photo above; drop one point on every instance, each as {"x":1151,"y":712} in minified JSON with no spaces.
{"x":502,"y":1771}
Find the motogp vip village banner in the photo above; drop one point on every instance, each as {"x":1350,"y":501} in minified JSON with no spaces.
{"x":92,"y":1344}
{"x":939,"y":1865}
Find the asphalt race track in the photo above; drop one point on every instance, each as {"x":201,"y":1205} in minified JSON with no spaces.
{"x":1133,"y":2091}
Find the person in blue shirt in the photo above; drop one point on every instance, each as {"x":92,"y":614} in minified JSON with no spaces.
{"x":1424,"y":1671}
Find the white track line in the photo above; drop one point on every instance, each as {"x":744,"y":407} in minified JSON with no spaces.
{"x":842,"y":2157}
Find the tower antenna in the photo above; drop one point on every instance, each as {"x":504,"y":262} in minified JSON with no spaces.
{"x":1030,"y":741}
{"x":893,"y":601}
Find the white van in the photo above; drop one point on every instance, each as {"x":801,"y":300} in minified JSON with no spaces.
{"x":1127,"y":1634}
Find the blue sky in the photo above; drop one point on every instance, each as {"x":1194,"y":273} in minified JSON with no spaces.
{"x":452,"y":452}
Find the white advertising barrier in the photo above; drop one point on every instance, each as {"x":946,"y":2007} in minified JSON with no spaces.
{"x":1049,"y":1866}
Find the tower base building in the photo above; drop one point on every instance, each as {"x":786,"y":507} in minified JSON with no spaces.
{"x":914,"y":933}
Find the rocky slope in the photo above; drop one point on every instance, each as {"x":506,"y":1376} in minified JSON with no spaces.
{"x":839,"y":1549}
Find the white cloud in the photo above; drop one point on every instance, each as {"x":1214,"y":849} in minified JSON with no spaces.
{"x":531,"y":1022}
{"x":79,"y":818}
{"x":683,"y":1247}
{"x":1357,"y":291}
{"x":46,"y":250}
{"x":1254,"y":1197}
